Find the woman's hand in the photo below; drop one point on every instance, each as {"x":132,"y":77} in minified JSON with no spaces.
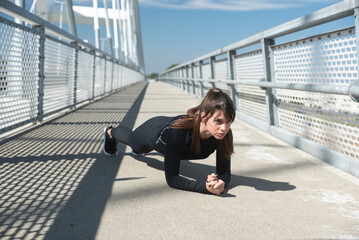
{"x":214,"y":185}
{"x":212,"y":177}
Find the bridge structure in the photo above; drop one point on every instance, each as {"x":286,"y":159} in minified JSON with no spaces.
{"x":296,"y":163}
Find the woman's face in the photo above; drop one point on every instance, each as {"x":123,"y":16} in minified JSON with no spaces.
{"x":217,"y":125}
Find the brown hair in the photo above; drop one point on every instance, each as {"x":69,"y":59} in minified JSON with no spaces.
{"x":214,"y":100}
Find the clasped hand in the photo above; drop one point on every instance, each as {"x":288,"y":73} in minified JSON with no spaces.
{"x":214,"y":185}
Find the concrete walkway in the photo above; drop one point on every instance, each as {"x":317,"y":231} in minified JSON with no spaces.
{"x":56,"y":183}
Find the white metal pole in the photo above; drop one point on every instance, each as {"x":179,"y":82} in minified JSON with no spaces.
{"x":115,"y":17}
{"x":108,"y":32}
{"x":32,"y":9}
{"x":139,"y":45}
{"x":125,"y":39}
{"x":133,"y":33}
{"x":96,"y":24}
{"x":120,"y":26}
{"x":16,"y":59}
{"x":124,"y":30}
{"x":129,"y":31}
{"x":19,"y":3}
{"x":61,"y":13}
{"x":71,"y":18}
{"x":60,"y":25}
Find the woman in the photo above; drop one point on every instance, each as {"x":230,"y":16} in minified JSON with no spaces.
{"x":198,"y":134}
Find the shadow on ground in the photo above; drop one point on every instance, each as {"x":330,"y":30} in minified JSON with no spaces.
{"x":199,"y":172}
{"x":55,"y":181}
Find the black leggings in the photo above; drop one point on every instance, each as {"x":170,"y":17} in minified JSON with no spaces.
{"x":140,"y":138}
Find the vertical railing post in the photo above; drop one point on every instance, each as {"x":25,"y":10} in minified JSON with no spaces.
{"x":40,"y":106}
{"x":211,"y":66}
{"x":356,"y":15}
{"x":76,"y":71}
{"x":118,"y":76}
{"x":274,"y":90}
{"x":120,"y":73}
{"x":193,"y":82}
{"x":200,"y":65}
{"x":183,"y":77}
{"x":104,"y":75}
{"x":231,"y":75}
{"x":113,"y":63}
{"x":178,"y":76}
{"x":93,"y":74}
{"x":266,"y":43}
{"x":187,"y":77}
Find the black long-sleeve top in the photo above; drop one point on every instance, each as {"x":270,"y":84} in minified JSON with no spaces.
{"x":175,"y":144}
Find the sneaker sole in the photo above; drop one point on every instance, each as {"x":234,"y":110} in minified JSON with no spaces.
{"x":104,"y":141}
{"x":137,"y":154}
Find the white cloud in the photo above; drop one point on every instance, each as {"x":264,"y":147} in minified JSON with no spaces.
{"x":81,"y":2}
{"x":230,"y":5}
{"x":227,"y":5}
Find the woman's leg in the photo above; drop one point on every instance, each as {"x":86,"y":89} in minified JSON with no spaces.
{"x":140,"y":138}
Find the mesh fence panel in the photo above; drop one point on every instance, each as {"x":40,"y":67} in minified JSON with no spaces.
{"x":100,"y":76}
{"x":182,"y":73}
{"x":206,"y":87}
{"x":115,"y":76}
{"x":19,"y":64}
{"x":189,"y":73}
{"x":224,"y":87}
{"x":220,"y":69}
{"x":251,"y":98}
{"x":206,"y":71}
{"x":328,"y":119}
{"x":59,"y":70}
{"x":108,"y":76}
{"x":22,"y":70}
{"x":124,"y":74}
{"x":196,"y":71}
{"x":84,"y":76}
{"x":120,"y":76}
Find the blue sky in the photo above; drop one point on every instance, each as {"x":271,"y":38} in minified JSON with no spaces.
{"x":176,"y":31}
{"x":180,"y":30}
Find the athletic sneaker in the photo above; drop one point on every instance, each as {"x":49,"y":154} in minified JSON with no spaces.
{"x":137,"y":154}
{"x":109,"y":144}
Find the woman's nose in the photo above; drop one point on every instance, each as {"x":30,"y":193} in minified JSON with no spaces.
{"x":224,"y":127}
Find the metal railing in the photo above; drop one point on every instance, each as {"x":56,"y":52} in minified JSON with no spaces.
{"x":44,"y":70}
{"x":304,"y":92}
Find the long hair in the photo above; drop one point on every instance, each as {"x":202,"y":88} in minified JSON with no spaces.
{"x":214,"y":100}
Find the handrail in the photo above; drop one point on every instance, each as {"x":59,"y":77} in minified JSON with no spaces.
{"x":325,"y":124}
{"x":74,"y":71}
{"x":351,"y":90}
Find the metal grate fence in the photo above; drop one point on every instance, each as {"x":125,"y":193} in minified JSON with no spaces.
{"x":251,"y":99}
{"x":328,"y":119}
{"x":84,"y":76}
{"x":305,"y":92}
{"x":42,"y":74}
{"x":59,"y":72}
{"x":19,"y":59}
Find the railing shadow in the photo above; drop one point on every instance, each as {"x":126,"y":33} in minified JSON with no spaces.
{"x":199,"y":172}
{"x":55,"y":182}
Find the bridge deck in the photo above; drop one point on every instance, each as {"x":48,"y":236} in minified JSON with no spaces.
{"x":56,"y":183}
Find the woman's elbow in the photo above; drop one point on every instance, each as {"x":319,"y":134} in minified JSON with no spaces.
{"x":170,"y":181}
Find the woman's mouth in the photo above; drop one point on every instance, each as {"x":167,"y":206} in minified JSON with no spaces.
{"x":220,"y":135}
